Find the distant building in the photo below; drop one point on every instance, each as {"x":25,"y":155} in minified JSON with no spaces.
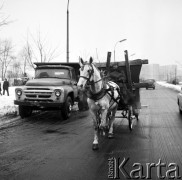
{"x":168,"y":72}
{"x":150,"y":71}
{"x":179,"y":73}
{"x":161,"y":73}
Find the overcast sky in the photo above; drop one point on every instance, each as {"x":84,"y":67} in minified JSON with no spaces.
{"x":153,"y":28}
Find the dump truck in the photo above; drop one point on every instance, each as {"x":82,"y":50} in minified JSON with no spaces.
{"x":53,"y":88}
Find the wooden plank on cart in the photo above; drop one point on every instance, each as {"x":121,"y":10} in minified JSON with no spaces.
{"x":108,"y":61}
{"x":128,"y":71}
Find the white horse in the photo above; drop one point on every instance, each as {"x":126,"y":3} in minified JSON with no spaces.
{"x":103,"y":99}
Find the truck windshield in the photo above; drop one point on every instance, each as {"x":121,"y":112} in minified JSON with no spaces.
{"x":52,"y":73}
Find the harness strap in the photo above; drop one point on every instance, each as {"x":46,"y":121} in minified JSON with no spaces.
{"x":98,"y":80}
{"x":96,"y":96}
{"x":84,"y":77}
{"x":111,"y":89}
{"x":114,"y":99}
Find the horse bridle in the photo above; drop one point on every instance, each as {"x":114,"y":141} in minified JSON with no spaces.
{"x":91,"y":72}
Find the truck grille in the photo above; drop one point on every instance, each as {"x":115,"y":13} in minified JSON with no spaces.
{"x":38,"y":94}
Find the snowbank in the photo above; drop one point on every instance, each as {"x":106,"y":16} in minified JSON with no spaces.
{"x":7,"y":103}
{"x":171,"y":86}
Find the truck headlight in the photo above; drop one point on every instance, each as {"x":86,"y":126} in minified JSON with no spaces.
{"x":57,"y":93}
{"x":19,"y":92}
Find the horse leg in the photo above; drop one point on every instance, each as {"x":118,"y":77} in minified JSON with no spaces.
{"x":111,"y":134}
{"x":95,"y":145}
{"x":104,"y":123}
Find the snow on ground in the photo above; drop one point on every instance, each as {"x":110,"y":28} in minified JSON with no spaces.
{"x":7,"y":103}
{"x":171,"y":86}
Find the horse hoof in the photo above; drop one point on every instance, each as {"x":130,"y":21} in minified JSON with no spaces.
{"x":110,"y":135}
{"x":95,"y":147}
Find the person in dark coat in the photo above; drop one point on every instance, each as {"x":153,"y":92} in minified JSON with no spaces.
{"x":6,"y":87}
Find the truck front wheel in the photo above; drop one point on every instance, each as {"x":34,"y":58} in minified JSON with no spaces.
{"x":25,"y":111}
{"x":66,"y":109}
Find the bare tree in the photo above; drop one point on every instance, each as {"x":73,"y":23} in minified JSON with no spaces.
{"x":29,"y":54}
{"x":44,"y":52}
{"x":6,"y":56}
{"x":15,"y":71}
{"x":23,"y":60}
{"x":26,"y":57}
{"x":4,"y":20}
{"x":37,"y":50}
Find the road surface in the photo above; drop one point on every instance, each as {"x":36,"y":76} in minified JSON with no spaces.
{"x":44,"y":147}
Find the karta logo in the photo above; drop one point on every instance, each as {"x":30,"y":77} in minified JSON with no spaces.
{"x":116,"y":168}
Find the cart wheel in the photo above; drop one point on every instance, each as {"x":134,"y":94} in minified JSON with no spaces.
{"x":130,"y":119}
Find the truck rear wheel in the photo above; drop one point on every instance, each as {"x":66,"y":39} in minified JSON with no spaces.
{"x":25,"y":111}
{"x":66,"y":109}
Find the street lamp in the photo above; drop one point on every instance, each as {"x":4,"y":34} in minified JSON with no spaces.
{"x":116,"y":44}
{"x":132,"y":54}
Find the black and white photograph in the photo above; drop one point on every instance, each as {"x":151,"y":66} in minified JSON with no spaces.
{"x":90,"y":89}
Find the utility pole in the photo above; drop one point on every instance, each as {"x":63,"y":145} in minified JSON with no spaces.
{"x":67,"y":47}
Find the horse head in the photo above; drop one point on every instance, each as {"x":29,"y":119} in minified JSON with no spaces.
{"x":86,"y":72}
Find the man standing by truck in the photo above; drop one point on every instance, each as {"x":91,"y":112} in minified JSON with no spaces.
{"x":6,"y":87}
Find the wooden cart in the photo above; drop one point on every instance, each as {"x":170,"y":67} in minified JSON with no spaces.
{"x":129,"y":84}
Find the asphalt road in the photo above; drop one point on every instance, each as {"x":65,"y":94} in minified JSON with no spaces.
{"x":44,"y":147}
